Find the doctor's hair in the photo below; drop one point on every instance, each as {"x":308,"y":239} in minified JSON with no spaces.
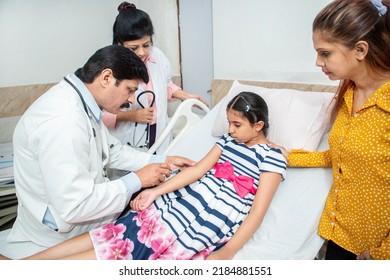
{"x":252,"y":106}
{"x":131,"y":24}
{"x":347,"y":22}
{"x":124,"y":64}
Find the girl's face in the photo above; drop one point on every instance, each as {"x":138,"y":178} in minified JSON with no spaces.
{"x":242,"y":131}
{"x":336,"y":61}
{"x":140,"y":47}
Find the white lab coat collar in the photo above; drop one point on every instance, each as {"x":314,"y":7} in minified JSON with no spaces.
{"x":90,"y":101}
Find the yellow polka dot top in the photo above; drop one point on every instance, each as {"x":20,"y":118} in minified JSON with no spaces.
{"x":357,"y":210}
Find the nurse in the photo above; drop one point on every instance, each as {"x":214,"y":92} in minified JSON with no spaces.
{"x":62,"y":150}
{"x":133,"y":29}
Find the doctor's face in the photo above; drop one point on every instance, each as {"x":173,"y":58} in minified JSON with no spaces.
{"x":120,"y":92}
{"x":140,"y":47}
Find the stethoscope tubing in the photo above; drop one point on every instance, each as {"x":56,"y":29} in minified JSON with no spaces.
{"x":147,"y":128}
{"x":82,"y":100}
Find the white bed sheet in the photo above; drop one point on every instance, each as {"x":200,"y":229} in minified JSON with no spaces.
{"x":289,"y":229}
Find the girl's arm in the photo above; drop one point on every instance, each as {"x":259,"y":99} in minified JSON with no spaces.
{"x":182,"y":179}
{"x":265,"y":192}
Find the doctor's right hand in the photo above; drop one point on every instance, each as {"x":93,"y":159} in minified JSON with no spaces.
{"x":153,"y":174}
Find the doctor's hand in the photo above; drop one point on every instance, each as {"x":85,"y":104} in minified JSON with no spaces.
{"x":177,"y":162}
{"x":153,"y":174}
{"x":144,"y":115}
{"x":143,"y":200}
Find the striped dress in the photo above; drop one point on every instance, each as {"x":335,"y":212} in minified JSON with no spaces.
{"x":191,"y":222}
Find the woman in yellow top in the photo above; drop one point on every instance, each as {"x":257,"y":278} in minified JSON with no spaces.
{"x":352,"y":41}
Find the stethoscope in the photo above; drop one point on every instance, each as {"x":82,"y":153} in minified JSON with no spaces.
{"x":146,"y":133}
{"x":82,"y":100}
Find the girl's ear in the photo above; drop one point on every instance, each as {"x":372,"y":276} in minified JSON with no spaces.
{"x":259,"y":126}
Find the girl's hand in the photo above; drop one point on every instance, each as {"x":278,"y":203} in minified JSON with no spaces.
{"x":220,"y":255}
{"x":143,"y":200}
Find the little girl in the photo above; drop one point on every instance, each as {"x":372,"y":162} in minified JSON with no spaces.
{"x":208,"y":211}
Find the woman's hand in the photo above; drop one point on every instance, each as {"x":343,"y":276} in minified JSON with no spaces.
{"x":282,"y":149}
{"x":364,"y":256}
{"x":143,"y":200}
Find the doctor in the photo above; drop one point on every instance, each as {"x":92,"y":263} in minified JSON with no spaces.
{"x":62,"y":149}
{"x":133,"y":29}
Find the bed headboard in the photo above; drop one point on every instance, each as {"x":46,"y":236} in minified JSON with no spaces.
{"x":219,"y":88}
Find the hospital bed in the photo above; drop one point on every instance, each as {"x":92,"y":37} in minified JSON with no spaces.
{"x":289,"y":229}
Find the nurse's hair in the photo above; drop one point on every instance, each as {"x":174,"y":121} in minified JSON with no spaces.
{"x":251,"y":106}
{"x":124,"y":64}
{"x":131,"y":24}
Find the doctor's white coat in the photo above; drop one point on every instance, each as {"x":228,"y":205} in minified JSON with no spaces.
{"x":60,"y":163}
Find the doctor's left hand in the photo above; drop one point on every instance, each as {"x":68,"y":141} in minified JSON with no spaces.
{"x":177,"y":162}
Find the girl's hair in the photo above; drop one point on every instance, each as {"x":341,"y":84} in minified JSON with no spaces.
{"x":131,"y":24}
{"x":252,"y":106}
{"x":348,"y":21}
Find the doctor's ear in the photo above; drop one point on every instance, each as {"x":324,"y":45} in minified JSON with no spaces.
{"x":106,"y":77}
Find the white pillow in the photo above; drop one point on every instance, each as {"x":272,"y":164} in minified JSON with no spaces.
{"x":297,"y":119}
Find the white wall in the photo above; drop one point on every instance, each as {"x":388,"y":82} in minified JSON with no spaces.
{"x":42,"y":40}
{"x":266,"y":40}
{"x":196,"y":29}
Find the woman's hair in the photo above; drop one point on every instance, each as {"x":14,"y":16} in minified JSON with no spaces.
{"x":252,"y":106}
{"x":131,"y":24}
{"x":124,"y":64}
{"x":348,"y":21}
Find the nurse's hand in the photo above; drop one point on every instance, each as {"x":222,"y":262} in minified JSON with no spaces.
{"x":177,"y":162}
{"x":144,"y":115}
{"x":153,"y":174}
{"x":194,"y":96}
